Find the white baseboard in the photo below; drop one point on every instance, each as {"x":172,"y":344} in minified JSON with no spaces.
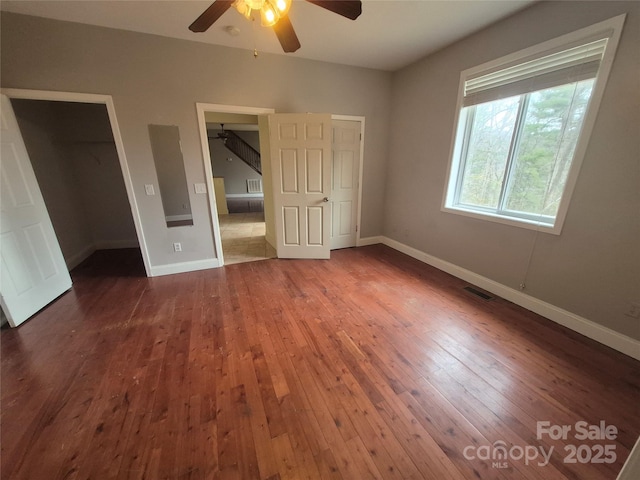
{"x":244,"y":195}
{"x":622,"y":343}
{"x":183,"y":267}
{"x":363,"y":242}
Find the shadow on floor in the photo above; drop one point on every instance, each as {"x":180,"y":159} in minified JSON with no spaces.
{"x":120,"y":262}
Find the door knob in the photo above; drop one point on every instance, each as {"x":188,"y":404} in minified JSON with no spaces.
{"x":325,"y":199}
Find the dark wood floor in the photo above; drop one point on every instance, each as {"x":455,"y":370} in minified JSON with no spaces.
{"x":370,"y":365}
{"x":245,"y":205}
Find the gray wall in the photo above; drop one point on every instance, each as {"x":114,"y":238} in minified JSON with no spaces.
{"x":56,"y":177}
{"x":235,"y":172}
{"x":593,"y":268}
{"x":158,"y":80}
{"x":73,"y":155}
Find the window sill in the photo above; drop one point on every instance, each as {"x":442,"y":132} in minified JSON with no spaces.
{"x":504,"y":220}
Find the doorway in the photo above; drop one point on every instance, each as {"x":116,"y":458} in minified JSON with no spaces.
{"x":347,"y":170}
{"x":74,"y":157}
{"x":77,"y":141}
{"x":234,"y":148}
{"x":241,"y":217}
{"x":39,"y":271}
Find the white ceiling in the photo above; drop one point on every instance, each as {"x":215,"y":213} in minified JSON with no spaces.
{"x":389,"y":34}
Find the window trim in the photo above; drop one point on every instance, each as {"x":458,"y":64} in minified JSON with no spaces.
{"x":611,"y":29}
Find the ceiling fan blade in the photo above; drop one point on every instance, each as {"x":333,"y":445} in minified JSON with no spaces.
{"x":350,"y":9}
{"x":286,"y":35}
{"x":210,"y":15}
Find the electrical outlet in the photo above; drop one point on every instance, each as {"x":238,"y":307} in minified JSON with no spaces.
{"x":177,"y":247}
{"x":633,"y":311}
{"x":148,"y":189}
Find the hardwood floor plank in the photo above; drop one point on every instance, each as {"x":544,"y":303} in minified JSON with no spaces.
{"x":368,"y":366}
{"x":363,"y":462}
{"x":247,"y":460}
{"x":268,"y":395}
{"x":327,"y":466}
{"x":374,"y":444}
{"x":254,"y":415}
{"x":283,"y":452}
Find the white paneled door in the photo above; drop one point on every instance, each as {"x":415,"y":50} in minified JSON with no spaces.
{"x":344,"y":183}
{"x":32,"y":269}
{"x":301,"y":173}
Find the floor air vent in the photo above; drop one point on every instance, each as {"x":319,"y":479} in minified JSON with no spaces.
{"x":478,"y":293}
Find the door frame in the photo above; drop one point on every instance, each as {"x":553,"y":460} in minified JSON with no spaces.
{"x":202,"y":109}
{"x":106,"y":100}
{"x":361,"y":119}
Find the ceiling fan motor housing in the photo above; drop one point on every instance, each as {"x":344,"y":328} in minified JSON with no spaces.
{"x":274,"y":13}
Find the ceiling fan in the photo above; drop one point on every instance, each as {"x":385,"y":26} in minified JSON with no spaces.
{"x":274,"y":13}
{"x":222,"y":133}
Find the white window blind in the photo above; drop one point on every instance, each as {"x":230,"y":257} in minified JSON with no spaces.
{"x":567,"y":66}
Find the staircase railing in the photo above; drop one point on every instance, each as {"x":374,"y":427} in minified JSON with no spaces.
{"x":243,"y":150}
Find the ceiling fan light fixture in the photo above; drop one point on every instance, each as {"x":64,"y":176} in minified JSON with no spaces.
{"x":282,"y":6}
{"x":254,"y":4}
{"x":243,"y":7}
{"x":270,"y":10}
{"x":273,"y":14}
{"x":269,"y":16}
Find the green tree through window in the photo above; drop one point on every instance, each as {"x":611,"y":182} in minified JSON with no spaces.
{"x":518,"y":150}
{"x":542,"y":161}
{"x":522,"y":128}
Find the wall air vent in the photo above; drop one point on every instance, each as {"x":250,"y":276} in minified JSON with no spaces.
{"x":254,"y":185}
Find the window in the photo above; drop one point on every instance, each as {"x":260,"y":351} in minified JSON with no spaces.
{"x":522,"y":124}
